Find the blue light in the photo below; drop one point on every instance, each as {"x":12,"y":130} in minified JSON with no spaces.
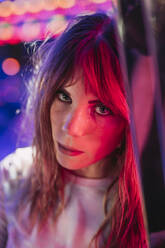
{"x":6,"y":0}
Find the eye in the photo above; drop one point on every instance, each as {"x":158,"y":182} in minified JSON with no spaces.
{"x":63,"y":97}
{"x":101,"y":109}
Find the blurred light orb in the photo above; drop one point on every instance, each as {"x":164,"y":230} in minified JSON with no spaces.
{"x":6,"y":31}
{"x":50,"y":4}
{"x":30,"y":30}
{"x":10,"y":66}
{"x":35,"y":6}
{"x":20,"y":7}
{"x":66,"y":3}
{"x":6,"y":9}
{"x":18,"y":111}
{"x":57,"y":24}
{"x":99,"y":1}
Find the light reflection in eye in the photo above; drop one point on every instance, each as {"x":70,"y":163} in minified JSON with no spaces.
{"x":63,"y":97}
{"x":101,"y":109}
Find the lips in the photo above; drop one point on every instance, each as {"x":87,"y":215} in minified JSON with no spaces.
{"x":70,"y":149}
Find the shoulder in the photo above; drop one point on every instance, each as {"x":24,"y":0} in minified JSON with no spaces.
{"x":15,"y":167}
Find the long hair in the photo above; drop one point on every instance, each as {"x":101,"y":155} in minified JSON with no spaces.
{"x":89,"y":44}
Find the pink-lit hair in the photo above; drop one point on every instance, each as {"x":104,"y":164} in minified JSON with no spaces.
{"x":89,"y":44}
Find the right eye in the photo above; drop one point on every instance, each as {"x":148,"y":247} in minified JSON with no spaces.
{"x":63,"y":97}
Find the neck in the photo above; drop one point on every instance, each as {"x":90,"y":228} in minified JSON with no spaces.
{"x":98,"y":170}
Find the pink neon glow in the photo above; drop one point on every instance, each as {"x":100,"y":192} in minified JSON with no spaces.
{"x":17,"y":13}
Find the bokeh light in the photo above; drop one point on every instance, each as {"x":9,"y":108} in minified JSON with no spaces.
{"x":57,"y":24}
{"x":10,"y":66}
{"x":30,"y":30}
{"x":6,"y":9}
{"x":6,"y":31}
{"x":50,"y":4}
{"x":35,"y":6}
{"x":99,"y":1}
{"x":20,"y":7}
{"x":18,"y":13}
{"x":66,"y":3}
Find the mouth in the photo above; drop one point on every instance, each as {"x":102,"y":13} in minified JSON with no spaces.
{"x":68,"y":150}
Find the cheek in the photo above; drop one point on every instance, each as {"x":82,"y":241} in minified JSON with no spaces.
{"x":109,"y":135}
{"x":56,"y":117}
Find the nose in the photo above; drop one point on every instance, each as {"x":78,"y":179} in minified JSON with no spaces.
{"x":78,"y":123}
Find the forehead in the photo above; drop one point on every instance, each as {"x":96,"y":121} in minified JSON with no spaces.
{"x":78,"y":88}
{"x":78,"y":85}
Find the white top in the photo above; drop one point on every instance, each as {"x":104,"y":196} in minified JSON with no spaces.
{"x":76,"y":225}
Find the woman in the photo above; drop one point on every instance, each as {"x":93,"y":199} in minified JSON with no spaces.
{"x":82,"y":153}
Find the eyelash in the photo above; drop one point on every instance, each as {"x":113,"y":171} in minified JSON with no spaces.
{"x":63,"y":93}
{"x":100,"y":105}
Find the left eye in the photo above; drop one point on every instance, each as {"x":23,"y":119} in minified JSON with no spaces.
{"x":102,"y":110}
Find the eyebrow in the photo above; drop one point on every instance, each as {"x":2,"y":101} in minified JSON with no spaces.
{"x":91,"y":101}
{"x":94,"y":101}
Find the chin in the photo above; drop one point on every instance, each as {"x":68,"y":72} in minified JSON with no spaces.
{"x":70,"y":165}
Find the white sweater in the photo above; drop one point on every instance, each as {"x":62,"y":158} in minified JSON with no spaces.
{"x":76,"y":225}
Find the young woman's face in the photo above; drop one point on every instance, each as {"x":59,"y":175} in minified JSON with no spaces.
{"x":84,"y":131}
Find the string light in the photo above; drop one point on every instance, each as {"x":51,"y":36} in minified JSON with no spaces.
{"x":21,"y":29}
